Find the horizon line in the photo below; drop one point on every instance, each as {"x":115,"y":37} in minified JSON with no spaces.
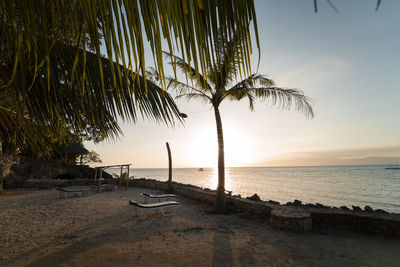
{"x":276,"y":166}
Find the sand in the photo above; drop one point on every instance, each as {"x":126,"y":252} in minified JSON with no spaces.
{"x":37,"y":228}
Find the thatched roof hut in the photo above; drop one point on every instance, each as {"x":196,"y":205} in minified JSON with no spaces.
{"x":73,"y":150}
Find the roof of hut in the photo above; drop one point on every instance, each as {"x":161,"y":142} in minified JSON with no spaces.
{"x":75,"y":148}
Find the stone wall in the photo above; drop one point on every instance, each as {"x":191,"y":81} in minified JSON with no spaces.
{"x":233,"y":203}
{"x":50,"y":183}
{"x":387,"y":224}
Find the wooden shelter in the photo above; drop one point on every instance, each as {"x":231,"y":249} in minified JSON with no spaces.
{"x":99,"y":173}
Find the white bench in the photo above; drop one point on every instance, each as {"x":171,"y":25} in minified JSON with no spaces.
{"x":163,"y":197}
{"x":161,"y":206}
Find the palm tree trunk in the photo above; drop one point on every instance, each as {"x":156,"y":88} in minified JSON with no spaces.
{"x":220,"y":201}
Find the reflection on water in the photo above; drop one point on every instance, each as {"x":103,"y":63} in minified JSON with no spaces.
{"x":336,"y":186}
{"x":213,"y":179}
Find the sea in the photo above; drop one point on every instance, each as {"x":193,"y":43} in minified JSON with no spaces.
{"x":375,"y":186}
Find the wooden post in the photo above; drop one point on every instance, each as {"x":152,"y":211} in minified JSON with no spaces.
{"x":120,"y":177}
{"x":127,"y":180}
{"x":101,"y":176}
{"x":95,"y":176}
{"x":169,"y":169}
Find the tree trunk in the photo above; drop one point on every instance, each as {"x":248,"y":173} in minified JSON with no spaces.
{"x":169,"y":169}
{"x":220,"y":202}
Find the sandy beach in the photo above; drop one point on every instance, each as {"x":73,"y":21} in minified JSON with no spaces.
{"x":37,"y":228}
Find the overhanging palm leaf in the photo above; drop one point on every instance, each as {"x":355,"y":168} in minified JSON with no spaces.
{"x":122,"y":25}
{"x":62,"y":87}
{"x":190,"y":73}
{"x":69,"y":106}
{"x":25,"y":131}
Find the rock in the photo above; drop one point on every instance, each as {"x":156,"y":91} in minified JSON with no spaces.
{"x":254,"y":197}
{"x":381,"y":211}
{"x":356,"y":208}
{"x":274,"y":202}
{"x":297,"y":202}
{"x":368,"y":209}
{"x":344,"y":208}
{"x":310,"y":205}
{"x":319,"y":205}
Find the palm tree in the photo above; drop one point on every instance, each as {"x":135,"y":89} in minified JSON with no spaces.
{"x":219,"y":83}
{"x":66,"y":63}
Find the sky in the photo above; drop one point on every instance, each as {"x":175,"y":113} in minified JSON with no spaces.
{"x":347,"y":62}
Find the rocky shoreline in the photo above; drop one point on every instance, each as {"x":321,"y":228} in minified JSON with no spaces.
{"x":298,"y":203}
{"x":320,"y":216}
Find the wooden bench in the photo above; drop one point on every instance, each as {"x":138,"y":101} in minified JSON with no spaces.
{"x":73,"y":191}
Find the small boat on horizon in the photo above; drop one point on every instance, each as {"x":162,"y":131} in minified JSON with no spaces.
{"x":201,"y":169}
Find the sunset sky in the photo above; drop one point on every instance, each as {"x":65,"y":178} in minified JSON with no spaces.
{"x":347,"y":62}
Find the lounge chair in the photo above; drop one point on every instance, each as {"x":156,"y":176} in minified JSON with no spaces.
{"x":78,"y":191}
{"x":161,"y":206}
{"x":164,"y":197}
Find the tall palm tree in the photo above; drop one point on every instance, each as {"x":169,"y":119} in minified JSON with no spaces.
{"x":219,"y":83}
{"x":61,"y":59}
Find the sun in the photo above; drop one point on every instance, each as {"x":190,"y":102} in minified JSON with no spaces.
{"x":238,"y":147}
{"x":203,"y":149}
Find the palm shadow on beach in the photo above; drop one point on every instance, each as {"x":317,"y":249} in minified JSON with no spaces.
{"x":111,"y":232}
{"x":223,"y":252}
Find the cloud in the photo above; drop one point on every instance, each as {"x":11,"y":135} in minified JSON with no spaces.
{"x":315,"y":71}
{"x":378,"y":155}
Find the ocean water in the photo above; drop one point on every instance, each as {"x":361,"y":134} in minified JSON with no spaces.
{"x":374,"y":186}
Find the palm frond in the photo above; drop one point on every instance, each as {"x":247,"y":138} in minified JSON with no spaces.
{"x":259,"y":86}
{"x":286,"y":99}
{"x":122,"y":26}
{"x":25,"y":132}
{"x":378,"y":3}
{"x":241,"y":89}
{"x":229,"y":59}
{"x":201,"y":96}
{"x":181,"y":87}
{"x":85,"y":101}
{"x":190,"y":73}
